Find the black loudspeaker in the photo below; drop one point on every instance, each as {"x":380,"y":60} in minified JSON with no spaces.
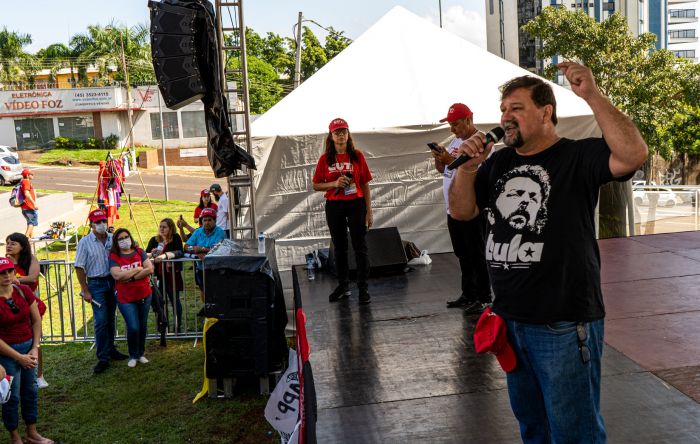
{"x":231,"y":294}
{"x":174,"y":34}
{"x":385,"y":249}
{"x":235,"y":348}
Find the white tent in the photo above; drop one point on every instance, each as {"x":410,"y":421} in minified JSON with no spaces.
{"x":393,"y":85}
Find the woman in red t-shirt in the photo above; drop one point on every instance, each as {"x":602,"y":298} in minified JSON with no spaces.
{"x":343,"y":175}
{"x":26,"y":272}
{"x":130,"y":268}
{"x":20,"y":337}
{"x":204,"y":202}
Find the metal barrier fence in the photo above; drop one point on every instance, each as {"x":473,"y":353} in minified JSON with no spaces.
{"x":68,"y":317}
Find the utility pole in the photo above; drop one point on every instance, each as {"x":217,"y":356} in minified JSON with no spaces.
{"x":297,"y":65}
{"x":129,"y":111}
{"x":162,"y":146}
{"x":440,"y":8}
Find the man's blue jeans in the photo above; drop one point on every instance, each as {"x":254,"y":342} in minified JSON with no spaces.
{"x":26,"y":395}
{"x":554,"y":395}
{"x":136,"y":318}
{"x":102,"y":291}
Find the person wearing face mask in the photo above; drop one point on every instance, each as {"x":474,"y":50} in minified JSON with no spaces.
{"x":97,"y":287}
{"x":130,"y":268}
{"x":168,"y":245}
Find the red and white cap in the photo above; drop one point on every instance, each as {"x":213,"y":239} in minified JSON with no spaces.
{"x":457,"y":111}
{"x":6,"y":264}
{"x":337,"y":124}
{"x":26,"y":172}
{"x":208,"y":212}
{"x":490,"y":335}
{"x":97,"y":215}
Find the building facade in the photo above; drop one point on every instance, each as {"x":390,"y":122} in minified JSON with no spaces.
{"x":675,"y":23}
{"x":34,"y":118}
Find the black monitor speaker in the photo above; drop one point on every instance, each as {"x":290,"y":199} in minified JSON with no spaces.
{"x":386,"y":252}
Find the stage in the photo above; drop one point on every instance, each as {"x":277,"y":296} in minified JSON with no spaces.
{"x":403,"y":368}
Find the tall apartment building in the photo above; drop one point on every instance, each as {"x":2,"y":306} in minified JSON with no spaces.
{"x":675,"y":23}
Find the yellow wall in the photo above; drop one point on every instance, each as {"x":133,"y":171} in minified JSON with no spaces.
{"x":62,"y":79}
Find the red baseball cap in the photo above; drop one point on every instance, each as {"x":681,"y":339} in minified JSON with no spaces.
{"x":204,"y":192}
{"x":457,"y":111}
{"x":97,"y":215}
{"x":337,"y":124}
{"x":6,"y":264}
{"x":26,"y":172}
{"x":208,"y":212}
{"x":490,"y":336}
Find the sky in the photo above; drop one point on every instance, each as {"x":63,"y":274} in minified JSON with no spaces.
{"x":52,"y":21}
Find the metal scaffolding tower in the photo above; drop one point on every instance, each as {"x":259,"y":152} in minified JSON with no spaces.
{"x":234,"y":83}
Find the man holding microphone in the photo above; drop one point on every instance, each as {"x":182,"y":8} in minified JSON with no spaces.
{"x":539,"y":196}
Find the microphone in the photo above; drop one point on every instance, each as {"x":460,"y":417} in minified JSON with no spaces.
{"x":338,"y":190}
{"x":492,"y":136}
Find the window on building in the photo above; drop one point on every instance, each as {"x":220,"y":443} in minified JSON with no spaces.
{"x":33,"y":133}
{"x":490,"y":7}
{"x":682,"y":34}
{"x":193,"y":124}
{"x":682,"y":13}
{"x":79,"y":127}
{"x":171,"y":129}
{"x":685,"y":53}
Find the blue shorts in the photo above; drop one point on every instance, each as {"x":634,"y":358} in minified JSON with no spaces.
{"x":32,"y":217}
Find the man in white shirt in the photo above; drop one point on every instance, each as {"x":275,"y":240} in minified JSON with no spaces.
{"x":222,"y":210}
{"x":467,"y":237}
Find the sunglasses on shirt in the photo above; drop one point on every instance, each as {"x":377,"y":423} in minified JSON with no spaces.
{"x":13,"y":307}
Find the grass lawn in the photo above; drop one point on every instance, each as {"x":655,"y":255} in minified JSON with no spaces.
{"x":151,"y":403}
{"x":61,"y":156}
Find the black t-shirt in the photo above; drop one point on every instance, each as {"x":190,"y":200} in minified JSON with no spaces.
{"x":541,"y":248}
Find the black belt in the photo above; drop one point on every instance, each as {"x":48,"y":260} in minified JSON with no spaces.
{"x":100,"y":278}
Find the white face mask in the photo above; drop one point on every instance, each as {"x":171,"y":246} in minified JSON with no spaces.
{"x":124,"y":244}
{"x":101,"y":228}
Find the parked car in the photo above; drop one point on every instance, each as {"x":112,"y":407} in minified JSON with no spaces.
{"x":666,"y":196}
{"x":10,"y":169}
{"x":8,"y":150}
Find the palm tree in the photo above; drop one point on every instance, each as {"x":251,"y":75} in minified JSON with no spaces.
{"x":102,"y":46}
{"x":58,"y":56}
{"x":16,"y":65}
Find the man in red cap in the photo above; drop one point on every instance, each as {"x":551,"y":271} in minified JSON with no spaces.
{"x":97,"y":287}
{"x":467,"y":236}
{"x":29,"y":208}
{"x":203,"y":239}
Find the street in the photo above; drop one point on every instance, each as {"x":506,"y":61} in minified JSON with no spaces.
{"x":182,"y":184}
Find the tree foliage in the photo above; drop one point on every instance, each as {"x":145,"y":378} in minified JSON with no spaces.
{"x":16,"y":65}
{"x":649,"y":85}
{"x":102,"y":46}
{"x":271,"y":59}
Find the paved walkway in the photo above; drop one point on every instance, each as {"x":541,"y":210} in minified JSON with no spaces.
{"x":403,"y":369}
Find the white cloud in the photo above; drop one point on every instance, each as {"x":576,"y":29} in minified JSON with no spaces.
{"x":470,"y":25}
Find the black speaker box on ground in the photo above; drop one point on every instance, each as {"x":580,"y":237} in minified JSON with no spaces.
{"x":385,"y":249}
{"x":235,"y":348}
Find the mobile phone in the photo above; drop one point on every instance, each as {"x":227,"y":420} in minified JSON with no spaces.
{"x":434,"y":146}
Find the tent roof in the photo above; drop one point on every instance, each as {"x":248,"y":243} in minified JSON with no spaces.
{"x":403,"y":71}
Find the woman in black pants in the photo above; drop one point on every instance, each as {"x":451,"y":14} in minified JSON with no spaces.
{"x":343,"y":175}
